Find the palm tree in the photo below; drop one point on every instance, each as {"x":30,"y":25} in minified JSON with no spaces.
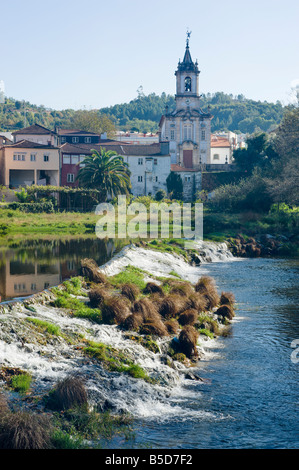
{"x":107,"y":172}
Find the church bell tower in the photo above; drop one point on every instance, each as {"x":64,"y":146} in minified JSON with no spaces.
{"x":188,"y":127}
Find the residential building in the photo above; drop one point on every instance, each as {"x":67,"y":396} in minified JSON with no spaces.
{"x":221,"y":150}
{"x":76,"y":136}
{"x":37,"y":134}
{"x":25,"y":163}
{"x":6,"y":138}
{"x":149,"y":164}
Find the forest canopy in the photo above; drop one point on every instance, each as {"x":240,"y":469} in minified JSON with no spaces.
{"x":234,"y":113}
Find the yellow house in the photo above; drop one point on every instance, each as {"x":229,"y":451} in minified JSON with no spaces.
{"x":25,"y":163}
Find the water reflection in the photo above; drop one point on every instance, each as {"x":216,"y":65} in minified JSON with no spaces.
{"x":34,"y":265}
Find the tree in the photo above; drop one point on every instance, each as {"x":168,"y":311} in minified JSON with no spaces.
{"x":259,"y":153}
{"x":175,"y":185}
{"x":107,"y":172}
{"x":92,"y":121}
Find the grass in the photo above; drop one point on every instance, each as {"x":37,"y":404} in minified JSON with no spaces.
{"x":21,"y":383}
{"x":114,"y":360}
{"x":130,"y":275}
{"x":62,"y":222}
{"x":45,"y":326}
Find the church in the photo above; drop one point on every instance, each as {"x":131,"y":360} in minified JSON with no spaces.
{"x":188,"y":127}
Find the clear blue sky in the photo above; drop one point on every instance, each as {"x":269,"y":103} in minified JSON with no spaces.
{"x":95,"y":53}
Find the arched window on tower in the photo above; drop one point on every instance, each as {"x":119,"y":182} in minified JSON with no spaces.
{"x":187,"y":84}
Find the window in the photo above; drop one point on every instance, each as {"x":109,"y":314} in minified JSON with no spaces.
{"x":187,"y":179}
{"x":66,"y":159}
{"x":140,"y":161}
{"x":216,"y":156}
{"x":156,"y":179}
{"x":70,"y":177}
{"x":87,"y":140}
{"x":19,"y":157}
{"x":139,"y":179}
{"x":203,"y":134}
{"x":172,"y":135}
{"x":187,"y":133}
{"x":63,"y":140}
{"x":155,"y":161}
{"x":32,"y":157}
{"x":46,"y":158}
{"x":33,"y":286}
{"x":75,"y":159}
{"x":75,"y":140}
{"x":187,"y":84}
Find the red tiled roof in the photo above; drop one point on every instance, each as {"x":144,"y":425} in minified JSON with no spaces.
{"x":219,"y":141}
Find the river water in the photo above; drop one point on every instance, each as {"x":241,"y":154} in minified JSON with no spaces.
{"x":251,"y":397}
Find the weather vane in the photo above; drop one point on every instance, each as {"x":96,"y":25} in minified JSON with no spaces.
{"x":188,"y":36}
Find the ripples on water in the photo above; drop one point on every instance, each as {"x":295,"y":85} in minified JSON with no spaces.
{"x":252,"y":400}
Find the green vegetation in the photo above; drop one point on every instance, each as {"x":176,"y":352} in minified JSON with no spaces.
{"x":106,"y":171}
{"x":130,"y":274}
{"x":234,"y":113}
{"x":45,"y":326}
{"x":21,"y":383}
{"x":114,"y":360}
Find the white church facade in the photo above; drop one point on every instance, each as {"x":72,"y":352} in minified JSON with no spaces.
{"x":187,"y":128}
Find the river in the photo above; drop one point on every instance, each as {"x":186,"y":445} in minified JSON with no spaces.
{"x":251,"y":397}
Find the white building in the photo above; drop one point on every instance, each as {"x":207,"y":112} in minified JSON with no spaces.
{"x":188,"y":127}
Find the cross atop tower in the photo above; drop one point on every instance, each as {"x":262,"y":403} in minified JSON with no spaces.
{"x":188,"y":37}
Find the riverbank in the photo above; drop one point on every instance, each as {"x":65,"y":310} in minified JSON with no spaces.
{"x":283,"y":229}
{"x":122,"y":328}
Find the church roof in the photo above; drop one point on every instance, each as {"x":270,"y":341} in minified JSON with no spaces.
{"x":188,"y":65}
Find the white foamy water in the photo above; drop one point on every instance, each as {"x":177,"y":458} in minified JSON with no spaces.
{"x":49,"y":361}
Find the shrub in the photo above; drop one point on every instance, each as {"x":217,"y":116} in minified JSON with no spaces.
{"x":182,"y":288}
{"x":132,"y":322}
{"x":225,"y":311}
{"x":227,"y":298}
{"x":212,"y":299}
{"x":22,"y":430}
{"x":115,"y":310}
{"x":172,"y":326}
{"x":188,"y":340}
{"x":97,"y":295}
{"x":152,"y":288}
{"x":189,"y":317}
{"x":68,"y":393}
{"x":197,"y":302}
{"x":204,"y":284}
{"x":160,"y":195}
{"x":154,"y":327}
{"x":173,"y":305}
{"x":32,"y":207}
{"x":131,"y":291}
{"x":146,"y":309}
{"x":90,"y":269}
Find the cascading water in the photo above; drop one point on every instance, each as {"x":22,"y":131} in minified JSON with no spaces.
{"x":49,"y":361}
